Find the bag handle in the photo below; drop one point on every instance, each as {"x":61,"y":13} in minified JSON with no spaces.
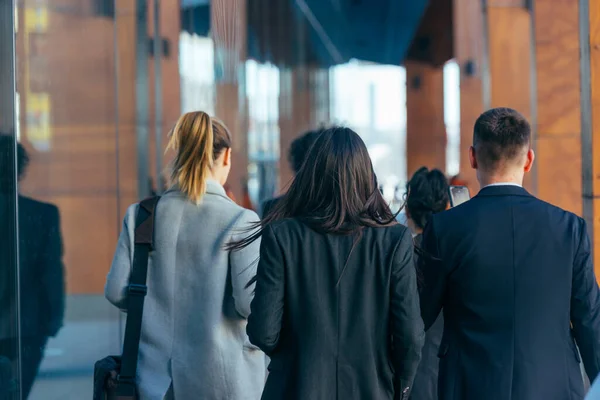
{"x":136,"y":292}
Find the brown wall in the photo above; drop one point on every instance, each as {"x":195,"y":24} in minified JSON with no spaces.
{"x":468,"y":47}
{"x":92,"y":115}
{"x":558,"y":142}
{"x":425,"y":128}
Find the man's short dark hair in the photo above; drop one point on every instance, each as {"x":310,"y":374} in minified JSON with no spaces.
{"x":299,"y":149}
{"x":500,"y":135}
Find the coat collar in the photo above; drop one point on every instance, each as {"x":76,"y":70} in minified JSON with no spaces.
{"x":212,"y":187}
{"x":503,"y":190}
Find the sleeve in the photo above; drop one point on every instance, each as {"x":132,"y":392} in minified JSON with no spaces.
{"x":264,"y":323}
{"x":120,"y":270}
{"x":585,"y":306}
{"x":243,"y":263}
{"x":432,"y":276}
{"x":407,"y":327}
{"x":52,"y":275}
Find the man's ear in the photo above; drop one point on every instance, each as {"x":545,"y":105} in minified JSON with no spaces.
{"x":473,"y":158}
{"x":530,"y":159}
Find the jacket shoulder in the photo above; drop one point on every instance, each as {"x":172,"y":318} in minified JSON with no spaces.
{"x":40,"y":207}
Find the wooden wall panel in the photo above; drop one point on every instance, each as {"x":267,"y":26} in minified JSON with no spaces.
{"x":510,"y":58}
{"x":558,"y":103}
{"x":590,"y":92}
{"x":509,"y":49}
{"x":88,"y":168}
{"x":468,"y":47}
{"x":559,"y":171}
{"x":426,"y":131}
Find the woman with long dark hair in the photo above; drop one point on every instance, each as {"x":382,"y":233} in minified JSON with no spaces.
{"x":426,"y":194}
{"x":336,"y":304}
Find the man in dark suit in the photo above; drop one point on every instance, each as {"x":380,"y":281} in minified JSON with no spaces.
{"x":515,"y":279}
{"x":298,"y":151}
{"x":41,"y":291}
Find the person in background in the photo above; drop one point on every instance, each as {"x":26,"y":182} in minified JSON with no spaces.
{"x":336,"y":305}
{"x":193,"y":343}
{"x":515,"y":278}
{"x":426,"y":194}
{"x":297,"y":155}
{"x":41,"y":275}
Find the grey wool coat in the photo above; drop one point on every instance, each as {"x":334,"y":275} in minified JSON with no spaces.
{"x":194,"y":343}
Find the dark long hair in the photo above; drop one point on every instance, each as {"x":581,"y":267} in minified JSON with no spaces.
{"x":335,"y":190}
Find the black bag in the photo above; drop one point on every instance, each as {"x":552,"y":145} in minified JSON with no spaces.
{"x":114,"y":376}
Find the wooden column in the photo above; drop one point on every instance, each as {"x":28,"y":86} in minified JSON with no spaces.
{"x":510,"y":60}
{"x":426,"y":131}
{"x":468,"y":48}
{"x":228,"y":28}
{"x":493,"y":46}
{"x":558,"y":128}
{"x":303,"y":106}
{"x":589,"y":20}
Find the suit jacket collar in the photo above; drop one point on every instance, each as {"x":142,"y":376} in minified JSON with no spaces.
{"x":503,"y":190}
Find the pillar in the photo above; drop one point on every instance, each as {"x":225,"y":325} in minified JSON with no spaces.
{"x":425,"y":129}
{"x":510,"y":48}
{"x":493,"y":44}
{"x":468,"y":49}
{"x":558,"y":125}
{"x":589,"y":20}
{"x":228,"y":28}
{"x":303,"y":106}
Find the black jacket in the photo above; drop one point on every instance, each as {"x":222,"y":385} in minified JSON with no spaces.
{"x":41,"y":269}
{"x":329,"y":329}
{"x":514,"y":274}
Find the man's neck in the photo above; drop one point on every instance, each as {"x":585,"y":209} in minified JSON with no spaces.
{"x":495,"y":180}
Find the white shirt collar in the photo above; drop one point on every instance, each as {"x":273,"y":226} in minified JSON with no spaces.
{"x":503,"y":184}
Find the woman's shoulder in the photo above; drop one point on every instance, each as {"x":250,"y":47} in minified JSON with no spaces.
{"x":394,"y":229}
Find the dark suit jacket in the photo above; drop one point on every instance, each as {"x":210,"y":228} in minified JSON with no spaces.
{"x":329,"y":329}
{"x":269,"y":205}
{"x":41,"y":269}
{"x":514,"y":274}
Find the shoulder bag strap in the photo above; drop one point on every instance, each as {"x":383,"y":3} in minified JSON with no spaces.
{"x":144,"y":233}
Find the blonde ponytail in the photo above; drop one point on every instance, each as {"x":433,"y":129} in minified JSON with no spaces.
{"x":192,"y":139}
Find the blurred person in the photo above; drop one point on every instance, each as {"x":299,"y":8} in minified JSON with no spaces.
{"x":336,"y":304}
{"x":515,"y":279}
{"x":193,"y":343}
{"x":41,"y":275}
{"x":426,"y":194}
{"x":296,"y":157}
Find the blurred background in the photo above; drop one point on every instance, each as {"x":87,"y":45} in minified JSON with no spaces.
{"x":98,"y":84}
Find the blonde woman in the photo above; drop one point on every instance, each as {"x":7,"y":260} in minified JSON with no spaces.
{"x":194,"y":343}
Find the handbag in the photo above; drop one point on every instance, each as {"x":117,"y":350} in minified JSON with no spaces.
{"x":114,"y":376}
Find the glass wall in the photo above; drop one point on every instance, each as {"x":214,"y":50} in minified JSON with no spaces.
{"x":76,"y":128}
{"x":90,"y":90}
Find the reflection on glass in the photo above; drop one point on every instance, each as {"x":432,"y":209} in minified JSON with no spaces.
{"x":9,"y":340}
{"x":42,"y":299}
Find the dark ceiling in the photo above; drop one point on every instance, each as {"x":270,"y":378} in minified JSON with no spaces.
{"x":331,"y":32}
